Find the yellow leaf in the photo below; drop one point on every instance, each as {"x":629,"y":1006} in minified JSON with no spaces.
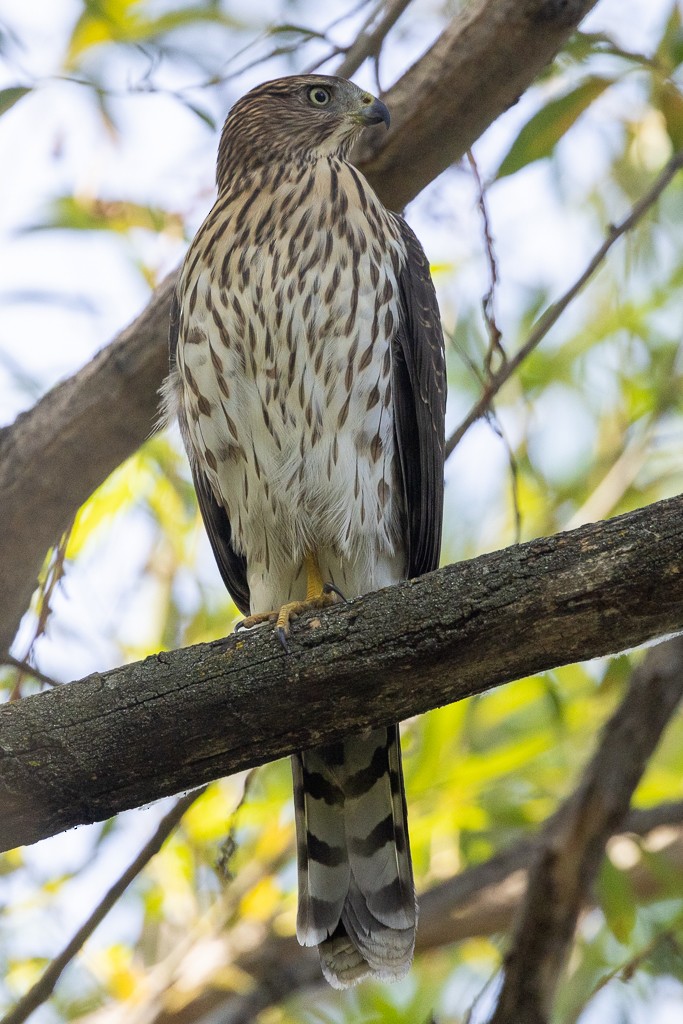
{"x":262,"y":901}
{"x":208,"y":819}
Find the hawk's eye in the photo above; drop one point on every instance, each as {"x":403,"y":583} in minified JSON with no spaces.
{"x":318,"y":96}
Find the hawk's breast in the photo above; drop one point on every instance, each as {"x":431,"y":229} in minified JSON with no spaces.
{"x":291,"y":302}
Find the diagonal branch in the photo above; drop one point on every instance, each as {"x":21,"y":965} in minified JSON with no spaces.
{"x":55,"y":455}
{"x":45,"y":985}
{"x":480,"y":901}
{"x":87,"y":750}
{"x":369,"y":42}
{"x":572,"y":845}
{"x":554,"y":312}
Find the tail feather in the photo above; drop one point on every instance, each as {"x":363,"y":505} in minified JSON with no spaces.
{"x":323,"y":866}
{"x":356,"y":893}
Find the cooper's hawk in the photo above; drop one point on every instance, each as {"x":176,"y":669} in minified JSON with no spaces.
{"x":308,"y":377}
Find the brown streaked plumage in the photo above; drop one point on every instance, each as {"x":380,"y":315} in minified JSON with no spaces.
{"x":308,"y":377}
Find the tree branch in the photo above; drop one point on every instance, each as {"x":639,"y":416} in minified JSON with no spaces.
{"x":480,"y":901}
{"x":45,"y":985}
{"x":572,"y":845}
{"x":554,"y":312}
{"x":90,"y":749}
{"x":369,"y":42}
{"x":55,"y":455}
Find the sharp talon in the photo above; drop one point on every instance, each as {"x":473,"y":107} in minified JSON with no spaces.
{"x":255,"y":620}
{"x":281,"y":634}
{"x":330,"y":588}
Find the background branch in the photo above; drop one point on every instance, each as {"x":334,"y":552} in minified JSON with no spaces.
{"x":87,"y":750}
{"x":554,"y":312}
{"x":572,"y":845}
{"x":369,"y":42}
{"x":44,"y":987}
{"x":56,"y":454}
{"x":480,"y":901}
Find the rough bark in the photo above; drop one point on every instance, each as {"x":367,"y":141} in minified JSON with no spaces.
{"x":53,"y":457}
{"x":112,"y":741}
{"x":571,"y":848}
{"x":480,"y":65}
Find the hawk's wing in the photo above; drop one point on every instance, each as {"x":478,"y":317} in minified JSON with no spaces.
{"x":419,"y":402}
{"x":232,"y":566}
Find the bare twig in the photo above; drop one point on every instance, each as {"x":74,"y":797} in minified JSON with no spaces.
{"x":29,"y":670}
{"x":369,"y":41}
{"x":488,"y":302}
{"x":480,"y":901}
{"x":44,"y":987}
{"x":53,"y":576}
{"x":229,"y":845}
{"x":572,"y":844}
{"x":626,"y":970}
{"x":553,"y":313}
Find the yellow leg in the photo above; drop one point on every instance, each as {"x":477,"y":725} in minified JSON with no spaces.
{"x":316,"y":597}
{"x":314,"y":581}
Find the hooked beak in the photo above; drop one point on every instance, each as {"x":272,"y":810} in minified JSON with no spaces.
{"x":373,"y":111}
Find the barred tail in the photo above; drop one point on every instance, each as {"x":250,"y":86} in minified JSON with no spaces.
{"x":356,"y":891}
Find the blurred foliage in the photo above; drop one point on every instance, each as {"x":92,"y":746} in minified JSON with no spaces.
{"x":593,"y":423}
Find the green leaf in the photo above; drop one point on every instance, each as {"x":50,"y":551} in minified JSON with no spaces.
{"x":11,"y":95}
{"x":124,"y":21}
{"x":669,"y":53}
{"x":540,"y":135}
{"x":296,"y":30}
{"x":670,"y":102}
{"x":200,"y":112}
{"x":91,"y":214}
{"x":617,"y":901}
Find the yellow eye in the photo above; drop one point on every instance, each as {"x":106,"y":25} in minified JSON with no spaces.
{"x":319,"y":96}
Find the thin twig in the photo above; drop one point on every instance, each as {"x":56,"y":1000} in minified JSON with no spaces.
{"x":53,"y":576}
{"x":626,"y":970}
{"x":369,"y":42}
{"x":29,"y":670}
{"x":488,"y":302}
{"x":228,"y":847}
{"x":44,"y":987}
{"x":553,"y":313}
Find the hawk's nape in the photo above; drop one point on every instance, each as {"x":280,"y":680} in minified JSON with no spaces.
{"x":307,"y":372}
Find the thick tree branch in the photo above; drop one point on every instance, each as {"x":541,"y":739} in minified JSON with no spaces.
{"x":572,"y":845}
{"x":112,"y":741}
{"x":54,"y":456}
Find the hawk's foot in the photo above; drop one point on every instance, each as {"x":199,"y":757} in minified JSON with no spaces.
{"x":257,"y":620}
{"x":318,"y":595}
{"x":293,"y":608}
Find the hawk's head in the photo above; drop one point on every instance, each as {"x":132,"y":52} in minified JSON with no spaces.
{"x":302,"y":116}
